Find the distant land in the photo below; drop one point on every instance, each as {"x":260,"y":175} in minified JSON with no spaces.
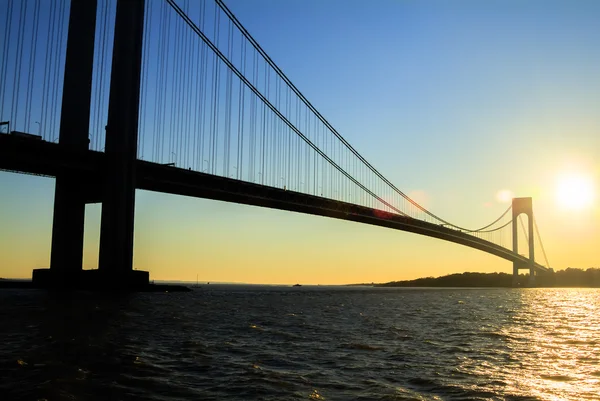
{"x":569,"y":277}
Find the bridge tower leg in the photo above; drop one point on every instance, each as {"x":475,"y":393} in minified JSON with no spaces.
{"x":69,"y":198}
{"x":118,"y":208}
{"x":519,"y":206}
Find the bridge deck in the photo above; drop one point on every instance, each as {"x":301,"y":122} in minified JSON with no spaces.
{"x":28,"y":156}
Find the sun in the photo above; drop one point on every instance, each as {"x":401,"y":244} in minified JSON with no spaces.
{"x":575,"y":191}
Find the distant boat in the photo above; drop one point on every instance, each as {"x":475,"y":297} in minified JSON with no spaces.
{"x":297,"y":285}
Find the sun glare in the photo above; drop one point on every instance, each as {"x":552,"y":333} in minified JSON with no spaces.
{"x":575,"y":191}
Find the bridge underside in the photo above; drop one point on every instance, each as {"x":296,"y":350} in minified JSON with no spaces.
{"x":49,"y":159}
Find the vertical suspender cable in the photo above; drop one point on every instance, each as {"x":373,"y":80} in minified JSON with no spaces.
{"x":144,"y":87}
{"x":32,"y":57}
{"x":541,"y":243}
{"x":196,"y":109}
{"x":3,"y":67}
{"x":57,"y":73}
{"x":241,"y":113}
{"x":18,"y":59}
{"x":188,"y":97}
{"x":103,"y":71}
{"x":46,"y":78}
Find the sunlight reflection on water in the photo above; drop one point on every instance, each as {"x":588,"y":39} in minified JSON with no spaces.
{"x":557,"y":332}
{"x":279,"y":343}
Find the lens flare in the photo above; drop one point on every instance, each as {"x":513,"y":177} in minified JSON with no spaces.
{"x":504,"y":196}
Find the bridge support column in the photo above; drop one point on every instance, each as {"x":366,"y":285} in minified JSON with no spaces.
{"x":118,"y":208}
{"x":69,"y":200}
{"x":532,"y":280}
{"x":519,"y":206}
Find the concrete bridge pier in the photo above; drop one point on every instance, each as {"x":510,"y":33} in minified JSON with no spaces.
{"x":515,"y":277}
{"x":118,"y":209}
{"x":117,"y":192}
{"x":69,"y":197}
{"x":531,"y":281}
{"x":532,"y":277}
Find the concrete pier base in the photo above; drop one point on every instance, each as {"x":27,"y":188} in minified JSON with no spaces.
{"x":532,"y":282}
{"x":515,"y":281}
{"x":91,"y":280}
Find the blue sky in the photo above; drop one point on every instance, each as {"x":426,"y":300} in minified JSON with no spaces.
{"x":467,"y":84}
{"x":452,"y":101}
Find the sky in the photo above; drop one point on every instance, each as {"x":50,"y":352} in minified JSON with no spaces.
{"x":454,"y":102}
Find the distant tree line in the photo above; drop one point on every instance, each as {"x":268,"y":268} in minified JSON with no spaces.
{"x":569,"y":277}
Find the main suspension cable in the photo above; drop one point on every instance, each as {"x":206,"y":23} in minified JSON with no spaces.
{"x":330,"y":127}
{"x":541,"y":243}
{"x":228,"y":63}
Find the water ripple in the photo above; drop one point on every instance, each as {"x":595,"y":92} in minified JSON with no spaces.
{"x":320,"y":343}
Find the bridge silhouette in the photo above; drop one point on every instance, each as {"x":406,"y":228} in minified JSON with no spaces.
{"x":188,"y":104}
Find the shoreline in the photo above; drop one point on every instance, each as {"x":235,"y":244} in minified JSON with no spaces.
{"x":28,"y":285}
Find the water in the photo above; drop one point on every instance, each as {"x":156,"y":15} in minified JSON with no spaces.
{"x":276,"y":343}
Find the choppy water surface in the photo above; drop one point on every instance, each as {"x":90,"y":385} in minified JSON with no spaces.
{"x":276,"y":343}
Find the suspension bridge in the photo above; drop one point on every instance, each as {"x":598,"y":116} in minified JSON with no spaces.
{"x":176,"y":96}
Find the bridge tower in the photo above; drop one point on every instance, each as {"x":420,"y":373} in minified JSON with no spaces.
{"x":69,"y":197}
{"x":520,"y":206}
{"x":118,"y":195}
{"x":116,"y":189}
